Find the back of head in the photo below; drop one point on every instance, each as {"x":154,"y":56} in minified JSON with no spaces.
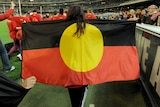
{"x":34,"y":12}
{"x":47,"y":15}
{"x":24,"y":12}
{"x":61,"y":11}
{"x":55,"y":12}
{"x":75,"y":13}
{"x":132,"y":11}
{"x":152,"y":8}
{"x":89,"y":11}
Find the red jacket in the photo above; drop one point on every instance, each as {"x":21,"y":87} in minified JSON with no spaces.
{"x":58,"y":17}
{"x":12,"y":31}
{"x":90,"y":16}
{"x":35,"y":17}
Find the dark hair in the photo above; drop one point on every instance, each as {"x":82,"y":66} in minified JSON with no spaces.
{"x":76,"y":13}
{"x":61,"y":11}
{"x":24,"y":11}
{"x":55,"y":12}
{"x":34,"y":11}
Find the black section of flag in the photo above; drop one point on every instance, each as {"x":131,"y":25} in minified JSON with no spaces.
{"x":115,"y":33}
{"x":11,"y":93}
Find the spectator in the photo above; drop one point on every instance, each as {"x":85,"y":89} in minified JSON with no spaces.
{"x":156,"y":17}
{"x":132,"y":15}
{"x":35,"y":17}
{"x":138,"y":15}
{"x":143,"y":15}
{"x":90,"y":15}
{"x":14,"y":25}
{"x":151,"y":10}
{"x":60,"y":16}
{"x":47,"y":17}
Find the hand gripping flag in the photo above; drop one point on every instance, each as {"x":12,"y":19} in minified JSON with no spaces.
{"x":105,"y":52}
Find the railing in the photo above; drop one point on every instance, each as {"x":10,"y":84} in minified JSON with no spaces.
{"x":148,"y":46}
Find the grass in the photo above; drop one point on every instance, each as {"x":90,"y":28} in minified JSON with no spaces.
{"x":4,"y":32}
{"x":116,"y":94}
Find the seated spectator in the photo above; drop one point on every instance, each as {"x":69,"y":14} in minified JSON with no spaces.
{"x":143,"y":15}
{"x":138,"y":15}
{"x":90,"y":15}
{"x":47,"y":17}
{"x":35,"y":17}
{"x":12,"y":24}
{"x":60,"y":16}
{"x":156,"y":17}
{"x":132,"y":15}
{"x":151,"y":10}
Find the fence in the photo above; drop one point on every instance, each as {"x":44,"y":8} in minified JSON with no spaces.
{"x":148,"y":45}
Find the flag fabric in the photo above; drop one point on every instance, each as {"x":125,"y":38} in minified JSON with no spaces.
{"x":11,"y":93}
{"x":106,"y":52}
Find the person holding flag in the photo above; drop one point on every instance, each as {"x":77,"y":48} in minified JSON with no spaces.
{"x":79,"y":53}
{"x":8,"y":86}
{"x":12,"y":93}
{"x":77,"y":94}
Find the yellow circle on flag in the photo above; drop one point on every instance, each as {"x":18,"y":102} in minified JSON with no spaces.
{"x":83,"y":53}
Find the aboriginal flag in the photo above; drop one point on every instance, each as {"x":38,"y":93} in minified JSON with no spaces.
{"x":55,"y":55}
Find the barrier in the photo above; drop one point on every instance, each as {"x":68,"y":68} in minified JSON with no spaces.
{"x":148,"y":46}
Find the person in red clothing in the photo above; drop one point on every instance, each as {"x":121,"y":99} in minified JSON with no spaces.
{"x":11,"y":23}
{"x":90,"y":15}
{"x":35,"y":17}
{"x":60,"y":16}
{"x":21,"y":19}
{"x":14,"y":24}
{"x":47,"y":17}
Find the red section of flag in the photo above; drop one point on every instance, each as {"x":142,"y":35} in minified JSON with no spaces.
{"x":118,"y":63}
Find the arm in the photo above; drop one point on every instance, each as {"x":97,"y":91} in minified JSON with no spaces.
{"x":154,"y":16}
{"x":8,"y":13}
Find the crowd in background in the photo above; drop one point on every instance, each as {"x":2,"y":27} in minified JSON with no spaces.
{"x":149,"y":15}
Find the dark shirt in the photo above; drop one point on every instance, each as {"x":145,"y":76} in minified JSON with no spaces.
{"x":149,"y":21}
